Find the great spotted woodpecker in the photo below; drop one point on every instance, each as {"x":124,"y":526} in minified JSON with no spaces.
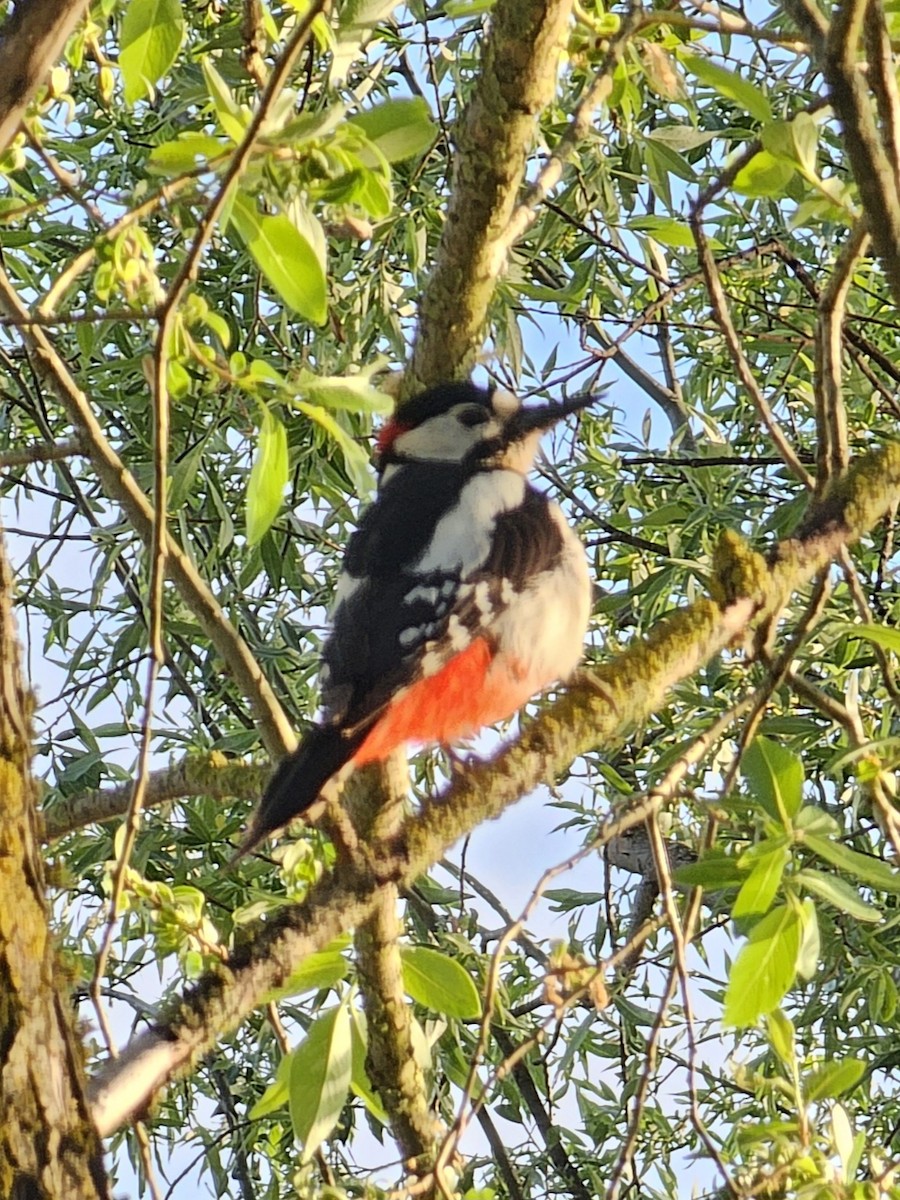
{"x":463,"y":593}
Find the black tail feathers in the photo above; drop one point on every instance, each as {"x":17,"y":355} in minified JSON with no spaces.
{"x":298,"y":780}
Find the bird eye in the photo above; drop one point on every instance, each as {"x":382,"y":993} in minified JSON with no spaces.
{"x":473,"y":414}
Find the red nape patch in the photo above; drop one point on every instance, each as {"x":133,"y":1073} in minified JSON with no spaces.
{"x":388,"y":434}
{"x":456,"y":702}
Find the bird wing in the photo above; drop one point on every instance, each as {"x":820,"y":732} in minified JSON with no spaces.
{"x":432,"y":565}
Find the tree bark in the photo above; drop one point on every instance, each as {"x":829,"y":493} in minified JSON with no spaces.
{"x":30,"y":43}
{"x":49,"y":1148}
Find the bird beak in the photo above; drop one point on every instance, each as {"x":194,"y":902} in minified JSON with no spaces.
{"x":543,"y":417}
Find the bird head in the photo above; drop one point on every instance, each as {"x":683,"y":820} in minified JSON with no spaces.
{"x":461,"y":422}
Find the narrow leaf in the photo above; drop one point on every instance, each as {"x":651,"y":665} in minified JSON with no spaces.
{"x":355,"y":393}
{"x":759,"y":888}
{"x":285,"y":257}
{"x":765,"y":968}
{"x":232,"y":121}
{"x":733,"y":87}
{"x":880,"y":635}
{"x":323,"y":969}
{"x":775,"y":778}
{"x":359,"y":1078}
{"x":868,"y":870}
{"x":185,"y":153}
{"x":399,"y":128}
{"x":439,"y":982}
{"x":834,"y":1079}
{"x":320,"y":1079}
{"x":268,"y":477}
{"x":781,"y":1035}
{"x":355,"y":458}
{"x":152,"y":33}
{"x":810,"y":942}
{"x":837,"y":892}
{"x":276,"y":1094}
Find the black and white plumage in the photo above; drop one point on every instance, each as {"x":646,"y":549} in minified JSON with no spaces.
{"x":463,"y":593}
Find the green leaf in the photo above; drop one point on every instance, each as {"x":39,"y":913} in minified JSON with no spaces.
{"x":810,"y":943}
{"x":185,"y":153}
{"x":277,"y":1093}
{"x":759,"y":888}
{"x":355,"y":458}
{"x":268,"y":476}
{"x":733,"y":87}
{"x":765,"y":967}
{"x":152,"y":33}
{"x":796,"y":141}
{"x":775,"y":778}
{"x":320,"y":1079}
{"x":781,"y":1035}
{"x":231,"y":119}
{"x":359,"y":1079}
{"x":664,"y":229}
{"x":356,"y":19}
{"x":323,"y":969}
{"x":880,"y":635}
{"x":813,"y":820}
{"x":439,"y":982}
{"x":715,"y":870}
{"x":838,"y":893}
{"x":680,"y":137}
{"x":399,"y":128}
{"x":834,"y":1079}
{"x":868,"y":870}
{"x":360,"y":15}
{"x":764,"y":175}
{"x":286,"y":258}
{"x":353,"y":393}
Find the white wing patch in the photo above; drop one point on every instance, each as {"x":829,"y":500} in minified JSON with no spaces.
{"x":346,"y":585}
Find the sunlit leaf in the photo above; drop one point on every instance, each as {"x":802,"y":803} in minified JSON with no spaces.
{"x":775,"y":777}
{"x":764,"y":175}
{"x":152,"y":33}
{"x":765,"y":967}
{"x":834,"y":1079}
{"x":439,"y":982}
{"x":399,"y":128}
{"x":731,"y":85}
{"x":286,"y":258}
{"x":761,"y":886}
{"x":863,"y":867}
{"x":320,"y":1075}
{"x":268,"y":476}
{"x":839,"y":893}
{"x":355,"y":458}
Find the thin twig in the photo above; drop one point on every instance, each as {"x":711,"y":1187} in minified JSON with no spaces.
{"x":120,"y":485}
{"x":733,"y":342}
{"x":44,"y":452}
{"x":833,"y":453}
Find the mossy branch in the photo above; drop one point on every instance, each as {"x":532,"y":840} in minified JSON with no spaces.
{"x":599,"y":710}
{"x":493,"y":141}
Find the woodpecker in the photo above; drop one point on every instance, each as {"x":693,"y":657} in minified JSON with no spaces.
{"x":464,"y":592}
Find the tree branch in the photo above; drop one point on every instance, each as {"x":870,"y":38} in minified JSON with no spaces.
{"x":494,"y":138}
{"x":120,"y":485}
{"x":596,"y":712}
{"x":32,"y":40}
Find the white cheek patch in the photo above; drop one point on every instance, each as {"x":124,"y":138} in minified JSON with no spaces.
{"x":504,"y":403}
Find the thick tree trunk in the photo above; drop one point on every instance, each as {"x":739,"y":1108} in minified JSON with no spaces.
{"x":49,"y":1149}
